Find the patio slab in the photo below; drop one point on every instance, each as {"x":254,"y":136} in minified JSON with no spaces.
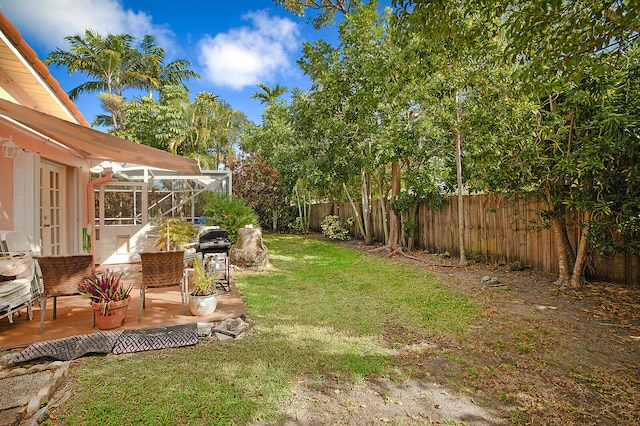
{"x":75,"y":317}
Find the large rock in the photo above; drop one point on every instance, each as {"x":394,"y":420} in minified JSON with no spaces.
{"x":249,"y":251}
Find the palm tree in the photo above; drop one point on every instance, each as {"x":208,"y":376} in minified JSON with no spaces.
{"x":114,"y":65}
{"x":201,"y":114}
{"x":214,"y":129}
{"x":107,"y":59}
{"x":229,"y":128}
{"x":151,"y":72}
{"x":268,"y":95}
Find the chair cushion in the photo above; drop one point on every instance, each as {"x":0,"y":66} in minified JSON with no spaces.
{"x":15,"y":293}
{"x":18,"y":267}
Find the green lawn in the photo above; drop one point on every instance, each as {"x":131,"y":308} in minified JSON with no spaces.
{"x":322,"y":312}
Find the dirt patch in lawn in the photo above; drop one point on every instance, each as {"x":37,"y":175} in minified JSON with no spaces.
{"x":539,"y":354}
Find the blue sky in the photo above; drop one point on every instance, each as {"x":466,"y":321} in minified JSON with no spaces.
{"x":232,"y":44}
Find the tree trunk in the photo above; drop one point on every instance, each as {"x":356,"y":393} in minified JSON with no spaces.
{"x":403,"y":234}
{"x":365,"y":189}
{"x":383,"y":210}
{"x":571,"y":256}
{"x":560,"y":240}
{"x":394,"y":220}
{"x":577,"y":278}
{"x":564,"y":272}
{"x":382,"y":195}
{"x":358,"y":219}
{"x":249,"y":250}
{"x":463,"y":254}
{"x":299,"y":208}
{"x":308,"y":214}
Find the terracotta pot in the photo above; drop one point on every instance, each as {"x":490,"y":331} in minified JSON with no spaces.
{"x":111,"y":316}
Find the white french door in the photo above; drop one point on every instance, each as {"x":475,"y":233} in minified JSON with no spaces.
{"x":52,"y":208}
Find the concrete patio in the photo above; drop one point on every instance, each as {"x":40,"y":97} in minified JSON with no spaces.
{"x":74,"y":313}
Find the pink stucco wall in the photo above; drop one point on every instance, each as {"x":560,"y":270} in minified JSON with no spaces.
{"x":75,"y":164}
{"x":6,"y":193}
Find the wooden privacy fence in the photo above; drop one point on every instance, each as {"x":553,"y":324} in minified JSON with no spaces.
{"x":497,"y":231}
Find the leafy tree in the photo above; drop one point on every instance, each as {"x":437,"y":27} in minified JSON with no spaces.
{"x":276,"y":142}
{"x":341,"y":114}
{"x":587,"y":124}
{"x":202,"y":115}
{"x":576,"y":150}
{"x":316,"y":128}
{"x":229,"y":130}
{"x":207,"y":128}
{"x":567,"y":133}
{"x":326,"y":9}
{"x":447,"y":59}
{"x":358,"y":120}
{"x":561,"y":37}
{"x":258,"y":183}
{"x":163,"y":124}
{"x":107,"y":59}
{"x":214,"y":130}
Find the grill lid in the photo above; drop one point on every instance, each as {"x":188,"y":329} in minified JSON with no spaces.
{"x":213,"y":239}
{"x":208,"y":235}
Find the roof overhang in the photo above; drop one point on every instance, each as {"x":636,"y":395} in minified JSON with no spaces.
{"x":94,"y":144}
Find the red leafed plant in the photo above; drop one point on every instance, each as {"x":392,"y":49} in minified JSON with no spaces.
{"x":105,"y":287}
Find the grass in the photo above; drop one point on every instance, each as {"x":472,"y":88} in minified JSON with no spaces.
{"x":322,"y":313}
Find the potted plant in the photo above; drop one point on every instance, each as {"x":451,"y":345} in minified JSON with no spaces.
{"x":203,"y":297}
{"x":109,"y":297}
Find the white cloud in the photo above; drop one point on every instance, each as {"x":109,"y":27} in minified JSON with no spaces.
{"x":48,"y":22}
{"x":246,"y":56}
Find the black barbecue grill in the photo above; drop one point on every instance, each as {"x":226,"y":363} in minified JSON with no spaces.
{"x":214,"y":241}
{"x":214,"y":244}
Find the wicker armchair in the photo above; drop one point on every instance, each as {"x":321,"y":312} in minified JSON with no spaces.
{"x":61,"y":276}
{"x":162,"y":269}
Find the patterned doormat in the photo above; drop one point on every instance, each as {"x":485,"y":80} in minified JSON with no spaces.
{"x":148,"y":339}
{"x":118,"y":342}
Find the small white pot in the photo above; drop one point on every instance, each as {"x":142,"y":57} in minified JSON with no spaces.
{"x":203,"y":305}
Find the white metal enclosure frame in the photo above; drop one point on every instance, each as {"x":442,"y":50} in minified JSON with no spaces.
{"x":154,"y":194}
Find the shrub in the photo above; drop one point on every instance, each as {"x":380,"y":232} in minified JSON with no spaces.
{"x":297,"y":226}
{"x":230,"y":213}
{"x":332,"y":228}
{"x":173,"y":233}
